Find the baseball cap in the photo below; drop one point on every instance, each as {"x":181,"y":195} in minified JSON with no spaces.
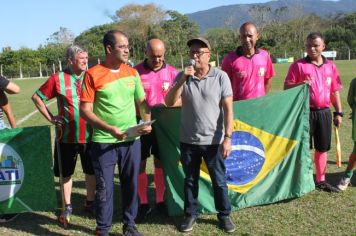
{"x":200,"y":40}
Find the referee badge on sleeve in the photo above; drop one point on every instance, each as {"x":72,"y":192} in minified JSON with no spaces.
{"x":165,"y":86}
{"x":261,"y":71}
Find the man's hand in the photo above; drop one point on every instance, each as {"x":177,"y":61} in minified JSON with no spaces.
{"x":118,"y":134}
{"x":337,"y":121}
{"x":57,"y":120}
{"x":308,"y":80}
{"x":189,"y":71}
{"x":226,"y":147}
{"x":145,"y":130}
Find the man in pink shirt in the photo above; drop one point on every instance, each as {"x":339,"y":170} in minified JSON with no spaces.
{"x":324,"y":81}
{"x":157,"y":78}
{"x":249,"y":68}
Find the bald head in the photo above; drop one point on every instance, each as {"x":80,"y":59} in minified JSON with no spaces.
{"x":248,"y":25}
{"x":155,"y":53}
{"x":155,"y":44}
{"x":248,"y":38}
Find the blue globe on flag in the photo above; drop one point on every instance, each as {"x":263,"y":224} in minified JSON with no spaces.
{"x":246,"y":158}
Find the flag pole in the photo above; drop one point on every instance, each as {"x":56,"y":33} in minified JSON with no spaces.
{"x":338,"y":147}
{"x":59,"y":133}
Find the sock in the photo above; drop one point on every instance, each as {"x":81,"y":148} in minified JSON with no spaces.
{"x":320,"y":161}
{"x":159,"y":183}
{"x":349,"y":173}
{"x":350,"y":166}
{"x":68,"y":207}
{"x":142,"y":188}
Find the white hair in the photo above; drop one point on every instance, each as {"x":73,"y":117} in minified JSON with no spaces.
{"x":72,"y":51}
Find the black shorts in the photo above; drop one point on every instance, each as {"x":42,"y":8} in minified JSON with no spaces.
{"x":320,"y":129}
{"x":149,"y":145}
{"x":69,"y":154}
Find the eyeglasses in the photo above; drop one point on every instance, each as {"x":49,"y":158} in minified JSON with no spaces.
{"x":124,"y":47}
{"x":198,"y":53}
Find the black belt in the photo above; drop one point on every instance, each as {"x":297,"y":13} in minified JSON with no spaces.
{"x":318,"y":108}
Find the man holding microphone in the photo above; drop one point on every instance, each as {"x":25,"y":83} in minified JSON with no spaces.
{"x":206,"y":127}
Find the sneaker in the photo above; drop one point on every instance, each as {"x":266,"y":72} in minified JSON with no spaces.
{"x":7,"y":217}
{"x":226,"y":224}
{"x":89,"y":206}
{"x":98,"y":232}
{"x":188,"y":223}
{"x":144,"y":210}
{"x":64,"y":218}
{"x":344,"y":183}
{"x":325,"y":186}
{"x":130,"y":231}
{"x":161,"y":208}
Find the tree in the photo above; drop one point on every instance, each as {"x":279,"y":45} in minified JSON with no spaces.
{"x":288,"y":38}
{"x":8,"y":60}
{"x":222,"y":40}
{"x":176,"y":31}
{"x":92,"y":40}
{"x":51,"y":54}
{"x":341,"y":36}
{"x":139,"y":22}
{"x":63,"y":36}
{"x":348,"y":21}
{"x":25,"y":60}
{"x":29,"y":60}
{"x":261,"y":15}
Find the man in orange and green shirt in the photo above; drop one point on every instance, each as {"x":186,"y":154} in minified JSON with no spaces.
{"x":108,"y":104}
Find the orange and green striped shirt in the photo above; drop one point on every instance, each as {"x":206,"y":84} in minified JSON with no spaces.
{"x":113,"y":94}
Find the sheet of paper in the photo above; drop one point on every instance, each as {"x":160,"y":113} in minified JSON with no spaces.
{"x":133,"y":131}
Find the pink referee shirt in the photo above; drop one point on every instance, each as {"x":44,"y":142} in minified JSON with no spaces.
{"x":325,"y":80}
{"x":156,"y":83}
{"x":248,"y":75}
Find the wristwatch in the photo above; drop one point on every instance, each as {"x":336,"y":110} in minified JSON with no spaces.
{"x":338,"y":114}
{"x":227,"y":136}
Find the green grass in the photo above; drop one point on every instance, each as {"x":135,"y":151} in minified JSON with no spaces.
{"x":317,"y":213}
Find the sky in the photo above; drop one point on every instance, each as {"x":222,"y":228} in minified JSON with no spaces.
{"x":29,"y":23}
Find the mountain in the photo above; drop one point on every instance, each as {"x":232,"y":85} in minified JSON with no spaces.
{"x":232,"y":16}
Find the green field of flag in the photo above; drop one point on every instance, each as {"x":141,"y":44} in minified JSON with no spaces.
{"x":270,"y":159}
{"x":26,"y":175}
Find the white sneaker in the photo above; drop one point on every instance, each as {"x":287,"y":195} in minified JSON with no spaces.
{"x":344,"y":183}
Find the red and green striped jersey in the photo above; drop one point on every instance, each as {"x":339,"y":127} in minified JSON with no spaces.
{"x":67,"y":89}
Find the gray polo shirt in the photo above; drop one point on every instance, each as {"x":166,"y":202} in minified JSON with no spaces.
{"x":202,"y":116}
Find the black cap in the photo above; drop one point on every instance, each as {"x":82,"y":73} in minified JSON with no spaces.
{"x":199,"y":40}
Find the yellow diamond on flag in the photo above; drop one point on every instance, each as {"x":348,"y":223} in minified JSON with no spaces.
{"x":254,"y":154}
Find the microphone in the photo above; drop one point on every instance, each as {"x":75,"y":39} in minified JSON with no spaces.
{"x":191,"y":62}
{"x":130,"y":63}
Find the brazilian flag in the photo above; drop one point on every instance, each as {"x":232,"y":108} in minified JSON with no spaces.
{"x":26,"y":176}
{"x":270,"y":159}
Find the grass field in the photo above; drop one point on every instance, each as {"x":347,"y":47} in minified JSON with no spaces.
{"x":317,"y":213}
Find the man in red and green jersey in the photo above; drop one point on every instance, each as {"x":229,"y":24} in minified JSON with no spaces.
{"x":108,"y":104}
{"x":66,"y":87}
